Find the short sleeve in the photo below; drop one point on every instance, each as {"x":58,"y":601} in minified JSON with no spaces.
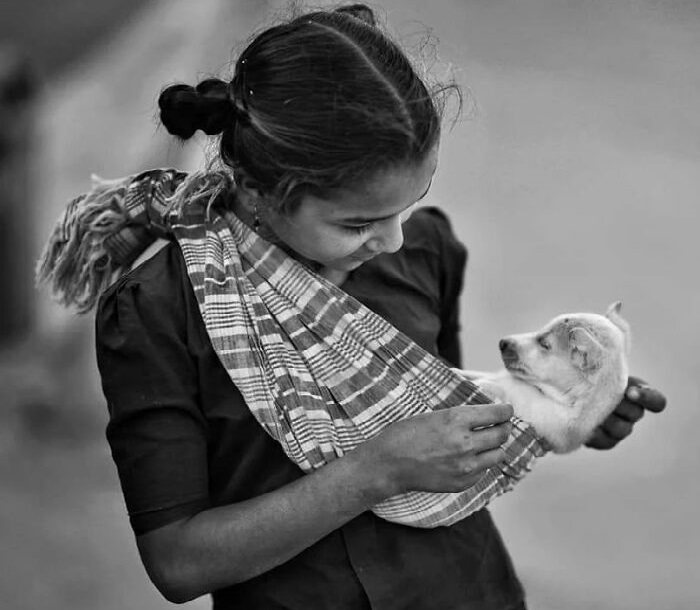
{"x":156,"y":430}
{"x":453,"y":261}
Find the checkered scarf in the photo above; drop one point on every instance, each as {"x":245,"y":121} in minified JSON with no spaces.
{"x":320,"y":372}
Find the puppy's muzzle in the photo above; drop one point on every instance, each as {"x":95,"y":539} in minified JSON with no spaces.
{"x":509,"y":351}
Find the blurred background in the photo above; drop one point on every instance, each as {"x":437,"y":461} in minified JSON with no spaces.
{"x":573,"y":178}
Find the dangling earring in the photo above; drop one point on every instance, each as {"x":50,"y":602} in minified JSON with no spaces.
{"x":256,"y":218}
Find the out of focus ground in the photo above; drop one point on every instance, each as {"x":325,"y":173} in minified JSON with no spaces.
{"x":575,"y":183}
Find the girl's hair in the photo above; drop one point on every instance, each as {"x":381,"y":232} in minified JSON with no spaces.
{"x":321,"y":102}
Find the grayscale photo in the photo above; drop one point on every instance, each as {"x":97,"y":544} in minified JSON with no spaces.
{"x":349,"y":306}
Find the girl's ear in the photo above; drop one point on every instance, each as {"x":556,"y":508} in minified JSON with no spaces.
{"x":249,"y":194}
{"x":248,"y":185}
{"x":586,"y":351}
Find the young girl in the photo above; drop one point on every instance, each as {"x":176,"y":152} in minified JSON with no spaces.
{"x":286,"y":428}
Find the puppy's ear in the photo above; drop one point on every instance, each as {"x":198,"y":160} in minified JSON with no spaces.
{"x":586,"y":351}
{"x":613,"y":314}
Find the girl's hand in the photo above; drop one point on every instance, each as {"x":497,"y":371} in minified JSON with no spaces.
{"x":639,"y":398}
{"x":443,"y":451}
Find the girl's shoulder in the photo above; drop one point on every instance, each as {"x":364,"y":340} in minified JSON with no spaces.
{"x":158,"y":276}
{"x":430,"y":228}
{"x":153,"y":297}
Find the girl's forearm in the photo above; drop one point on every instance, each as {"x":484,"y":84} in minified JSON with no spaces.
{"x":228,"y":544}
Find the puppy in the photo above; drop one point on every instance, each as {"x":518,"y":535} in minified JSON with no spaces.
{"x":564,"y":379}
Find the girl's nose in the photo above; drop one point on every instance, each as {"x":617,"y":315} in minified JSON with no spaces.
{"x":388,"y":238}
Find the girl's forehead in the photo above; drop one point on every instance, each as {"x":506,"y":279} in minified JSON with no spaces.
{"x":386,"y":193}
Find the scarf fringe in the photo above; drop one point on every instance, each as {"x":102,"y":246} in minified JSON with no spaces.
{"x":75,"y":263}
{"x":197,"y":187}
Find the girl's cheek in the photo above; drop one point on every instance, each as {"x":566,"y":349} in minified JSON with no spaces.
{"x":340,"y":246}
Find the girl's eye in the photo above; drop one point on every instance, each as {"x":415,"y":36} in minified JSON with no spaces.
{"x":358,"y":229}
{"x":544,"y":344}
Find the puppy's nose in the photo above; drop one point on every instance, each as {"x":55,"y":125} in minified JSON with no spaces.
{"x":508,"y":349}
{"x":505,"y":345}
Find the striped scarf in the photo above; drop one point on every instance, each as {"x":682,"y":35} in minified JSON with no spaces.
{"x":320,"y":372}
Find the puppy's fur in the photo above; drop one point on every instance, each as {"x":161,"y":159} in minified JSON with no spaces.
{"x":566,"y":378}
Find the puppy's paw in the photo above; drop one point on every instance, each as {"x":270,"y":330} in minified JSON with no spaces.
{"x":468,"y":374}
{"x":484,"y":383}
{"x":492,"y":389}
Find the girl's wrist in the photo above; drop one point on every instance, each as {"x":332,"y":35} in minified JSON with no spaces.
{"x":372,"y":479}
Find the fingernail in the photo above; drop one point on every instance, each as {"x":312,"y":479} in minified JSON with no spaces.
{"x":633,"y":393}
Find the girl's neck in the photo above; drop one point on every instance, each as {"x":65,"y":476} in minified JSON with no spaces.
{"x":335,"y":276}
{"x":243,"y":206}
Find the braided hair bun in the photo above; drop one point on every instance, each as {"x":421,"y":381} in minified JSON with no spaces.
{"x":185,"y":109}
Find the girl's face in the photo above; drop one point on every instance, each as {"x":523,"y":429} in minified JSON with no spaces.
{"x":354,"y":225}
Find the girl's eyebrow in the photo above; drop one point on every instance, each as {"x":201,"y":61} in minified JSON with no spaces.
{"x":360,"y":219}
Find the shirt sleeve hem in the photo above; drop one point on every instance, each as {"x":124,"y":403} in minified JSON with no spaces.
{"x":145,"y":521}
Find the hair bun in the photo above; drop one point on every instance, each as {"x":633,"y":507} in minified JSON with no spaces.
{"x":359,"y":11}
{"x":185,"y":109}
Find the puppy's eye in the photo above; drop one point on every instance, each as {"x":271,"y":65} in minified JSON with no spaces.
{"x":544,"y":344}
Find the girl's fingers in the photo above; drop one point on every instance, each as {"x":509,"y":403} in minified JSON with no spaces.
{"x":629,"y":410}
{"x":480,"y":416}
{"x":639,"y":392}
{"x":487,"y":439}
{"x":490,"y":458}
{"x":616,"y":427}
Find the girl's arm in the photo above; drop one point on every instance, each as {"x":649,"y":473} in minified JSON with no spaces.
{"x":442,"y":451}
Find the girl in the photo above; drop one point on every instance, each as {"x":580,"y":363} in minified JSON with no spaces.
{"x":280,"y":441}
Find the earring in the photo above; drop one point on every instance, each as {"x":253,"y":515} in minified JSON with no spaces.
{"x":256,"y":218}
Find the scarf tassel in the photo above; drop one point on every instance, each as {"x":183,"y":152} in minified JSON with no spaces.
{"x":75,"y":263}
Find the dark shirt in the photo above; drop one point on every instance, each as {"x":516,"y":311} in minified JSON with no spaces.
{"x":183,"y":439}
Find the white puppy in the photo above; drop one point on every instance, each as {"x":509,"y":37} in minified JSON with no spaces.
{"x":566,"y":378}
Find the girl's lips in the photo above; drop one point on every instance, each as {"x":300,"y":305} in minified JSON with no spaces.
{"x":364,"y":259}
